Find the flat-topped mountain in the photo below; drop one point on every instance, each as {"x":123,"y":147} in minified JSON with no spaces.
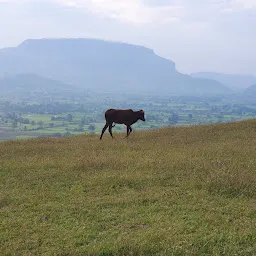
{"x":98,"y":64}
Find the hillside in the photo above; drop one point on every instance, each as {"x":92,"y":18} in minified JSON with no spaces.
{"x":30,"y":82}
{"x":237,"y":82}
{"x":251,"y":90}
{"x":103,"y":65}
{"x":174,"y":191}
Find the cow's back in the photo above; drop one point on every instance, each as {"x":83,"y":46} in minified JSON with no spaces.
{"x":118,"y":115}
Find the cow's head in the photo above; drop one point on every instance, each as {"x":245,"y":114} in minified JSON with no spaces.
{"x":141,"y":115}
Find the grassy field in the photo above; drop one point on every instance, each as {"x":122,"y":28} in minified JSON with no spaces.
{"x":172,"y":191}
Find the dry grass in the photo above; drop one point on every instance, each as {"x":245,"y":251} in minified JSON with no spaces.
{"x":174,"y":191}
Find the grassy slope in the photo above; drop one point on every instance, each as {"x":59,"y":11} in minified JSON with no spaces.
{"x":174,"y":191}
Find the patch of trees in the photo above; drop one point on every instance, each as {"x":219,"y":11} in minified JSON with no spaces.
{"x":173,"y":119}
{"x":16,"y":117}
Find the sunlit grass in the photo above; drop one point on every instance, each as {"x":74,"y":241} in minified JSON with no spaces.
{"x":173,"y":191}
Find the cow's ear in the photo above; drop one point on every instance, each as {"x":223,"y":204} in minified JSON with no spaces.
{"x":141,"y":111}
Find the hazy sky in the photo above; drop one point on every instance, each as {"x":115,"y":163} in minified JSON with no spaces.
{"x":199,"y":35}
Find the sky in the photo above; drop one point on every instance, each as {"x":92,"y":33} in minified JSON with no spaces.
{"x":198,"y":35}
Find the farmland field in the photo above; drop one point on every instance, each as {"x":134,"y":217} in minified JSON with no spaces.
{"x":62,"y":116}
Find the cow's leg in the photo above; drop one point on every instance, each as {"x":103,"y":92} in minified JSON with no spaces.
{"x":103,"y":130}
{"x":130,"y":129}
{"x":110,"y":130}
{"x":127,"y":130}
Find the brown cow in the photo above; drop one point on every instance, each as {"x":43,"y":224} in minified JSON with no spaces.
{"x":127,"y":117}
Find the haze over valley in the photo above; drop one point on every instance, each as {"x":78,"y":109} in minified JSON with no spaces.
{"x":62,"y":87}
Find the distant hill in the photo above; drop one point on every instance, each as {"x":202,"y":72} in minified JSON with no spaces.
{"x":98,"y":64}
{"x":237,"y":82}
{"x":30,"y":82}
{"x":251,"y":90}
